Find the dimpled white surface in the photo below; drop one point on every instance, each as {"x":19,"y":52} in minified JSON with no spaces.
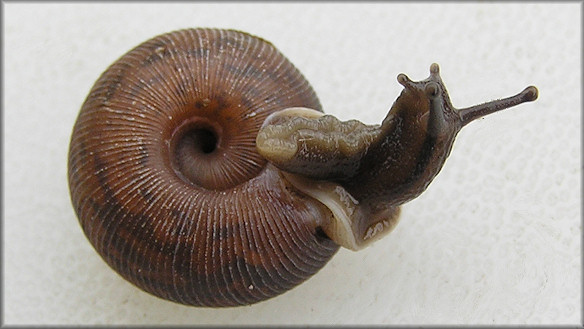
{"x":496,"y":239}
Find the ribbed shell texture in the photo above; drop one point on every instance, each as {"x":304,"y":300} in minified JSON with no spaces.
{"x":216,"y":229}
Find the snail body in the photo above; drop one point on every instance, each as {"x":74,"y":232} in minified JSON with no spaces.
{"x":203,"y":170}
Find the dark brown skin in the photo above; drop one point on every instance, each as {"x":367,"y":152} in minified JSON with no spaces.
{"x":183,"y":195}
{"x":399,"y":159}
{"x":418,"y":135}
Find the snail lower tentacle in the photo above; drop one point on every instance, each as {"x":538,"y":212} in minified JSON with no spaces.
{"x":203,"y":170}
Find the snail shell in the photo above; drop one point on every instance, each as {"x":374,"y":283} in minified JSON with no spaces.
{"x":203,"y":170}
{"x":166,"y":180}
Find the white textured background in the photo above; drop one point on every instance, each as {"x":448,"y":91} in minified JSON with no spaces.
{"x":496,"y":239}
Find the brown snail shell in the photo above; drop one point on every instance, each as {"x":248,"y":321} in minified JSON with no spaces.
{"x":202,"y":168}
{"x":212,"y":225}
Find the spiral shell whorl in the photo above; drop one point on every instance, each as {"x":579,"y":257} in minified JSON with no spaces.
{"x":215,"y":226}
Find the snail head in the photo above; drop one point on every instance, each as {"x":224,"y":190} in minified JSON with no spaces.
{"x":363,"y":173}
{"x":429,"y":99}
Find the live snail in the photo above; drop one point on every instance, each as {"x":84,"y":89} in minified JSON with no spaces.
{"x":203,"y":170}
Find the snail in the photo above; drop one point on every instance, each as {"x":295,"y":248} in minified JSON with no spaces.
{"x":204,"y":171}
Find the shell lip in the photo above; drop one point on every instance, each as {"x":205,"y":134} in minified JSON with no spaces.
{"x":351,"y":224}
